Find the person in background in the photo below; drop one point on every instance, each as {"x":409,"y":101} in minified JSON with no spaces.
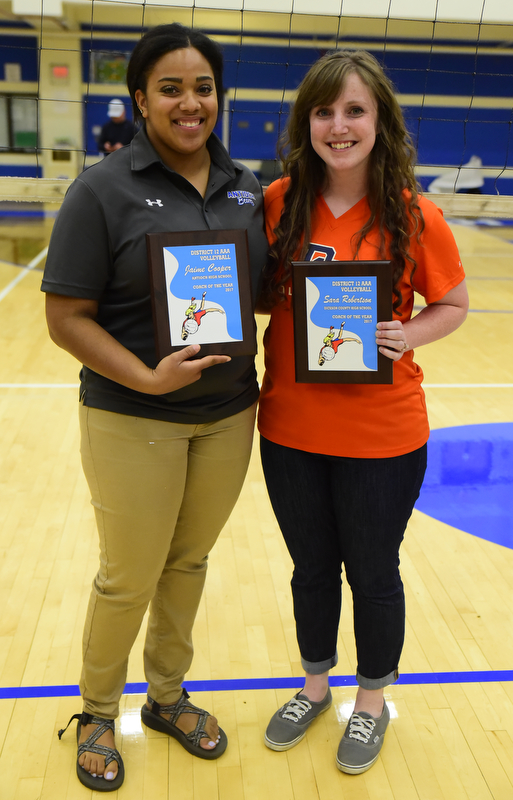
{"x":165,"y":444}
{"x":117,"y":131}
{"x":343,"y":492}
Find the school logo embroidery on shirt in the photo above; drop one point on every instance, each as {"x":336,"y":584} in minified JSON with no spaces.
{"x":241,"y":197}
{"x":158,"y":203}
{"x":320,"y":252}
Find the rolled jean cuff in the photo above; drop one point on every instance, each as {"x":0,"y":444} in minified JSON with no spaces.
{"x":319,"y":667}
{"x":377,"y":683}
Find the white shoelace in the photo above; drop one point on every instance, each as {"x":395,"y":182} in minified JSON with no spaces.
{"x":296,"y":709}
{"x":361,"y":728}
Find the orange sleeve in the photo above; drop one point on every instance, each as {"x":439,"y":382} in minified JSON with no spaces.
{"x":439,"y":266}
{"x":273,"y":205}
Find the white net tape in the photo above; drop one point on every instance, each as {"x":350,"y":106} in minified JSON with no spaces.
{"x":451,"y":61}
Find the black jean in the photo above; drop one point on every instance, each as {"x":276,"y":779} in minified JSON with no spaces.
{"x":334,"y":510}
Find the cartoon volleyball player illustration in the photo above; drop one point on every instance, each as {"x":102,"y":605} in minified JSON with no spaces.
{"x":193,"y":317}
{"x":330,"y":345}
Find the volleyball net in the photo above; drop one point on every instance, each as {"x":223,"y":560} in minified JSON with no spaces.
{"x":451,"y":62}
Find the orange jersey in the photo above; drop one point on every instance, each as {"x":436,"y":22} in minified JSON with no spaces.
{"x":353,"y":420}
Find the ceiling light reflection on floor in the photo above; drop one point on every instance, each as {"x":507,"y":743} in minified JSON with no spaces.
{"x":130,"y":723}
{"x":345,"y":709}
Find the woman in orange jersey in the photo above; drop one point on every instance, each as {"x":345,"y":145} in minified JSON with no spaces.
{"x":343,"y":492}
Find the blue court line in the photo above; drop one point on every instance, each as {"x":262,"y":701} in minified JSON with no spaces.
{"x":31,"y":214}
{"x":248,"y":684}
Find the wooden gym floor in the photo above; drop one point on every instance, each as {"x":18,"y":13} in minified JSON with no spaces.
{"x":451,"y":734}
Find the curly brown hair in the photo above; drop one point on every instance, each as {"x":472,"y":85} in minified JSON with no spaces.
{"x":391,"y":171}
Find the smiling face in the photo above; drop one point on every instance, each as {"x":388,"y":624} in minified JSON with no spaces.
{"x":343,"y":133}
{"x":179,"y":105}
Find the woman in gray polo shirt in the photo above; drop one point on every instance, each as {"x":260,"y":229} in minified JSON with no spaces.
{"x":165,"y":444}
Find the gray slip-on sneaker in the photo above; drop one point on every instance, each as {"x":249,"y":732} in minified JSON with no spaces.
{"x":362,"y":740}
{"x":290,"y":723}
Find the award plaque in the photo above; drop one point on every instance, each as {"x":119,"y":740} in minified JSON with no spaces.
{"x":201,"y":292}
{"x":336,"y":307}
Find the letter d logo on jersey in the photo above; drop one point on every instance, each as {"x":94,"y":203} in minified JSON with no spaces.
{"x":319,"y":252}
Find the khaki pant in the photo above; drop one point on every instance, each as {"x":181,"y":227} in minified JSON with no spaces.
{"x":162,"y":492}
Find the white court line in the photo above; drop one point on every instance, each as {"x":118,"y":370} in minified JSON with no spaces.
{"x":39,"y":385}
{"x":23,"y":274}
{"x":425,"y":385}
{"x":467,"y":385}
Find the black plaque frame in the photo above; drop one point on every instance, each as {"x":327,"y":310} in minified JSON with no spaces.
{"x":209,"y":239}
{"x":340,"y":270}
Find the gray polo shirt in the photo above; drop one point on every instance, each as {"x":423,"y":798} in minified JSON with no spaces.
{"x":98,"y":252}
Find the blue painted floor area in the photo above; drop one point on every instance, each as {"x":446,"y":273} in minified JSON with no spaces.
{"x":469,"y":480}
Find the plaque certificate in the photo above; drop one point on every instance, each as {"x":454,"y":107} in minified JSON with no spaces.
{"x":336,"y":307}
{"x":201,"y":292}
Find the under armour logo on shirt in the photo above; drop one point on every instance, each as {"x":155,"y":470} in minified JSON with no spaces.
{"x":155,"y":202}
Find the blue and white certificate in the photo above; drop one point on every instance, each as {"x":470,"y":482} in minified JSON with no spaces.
{"x":203,"y":294}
